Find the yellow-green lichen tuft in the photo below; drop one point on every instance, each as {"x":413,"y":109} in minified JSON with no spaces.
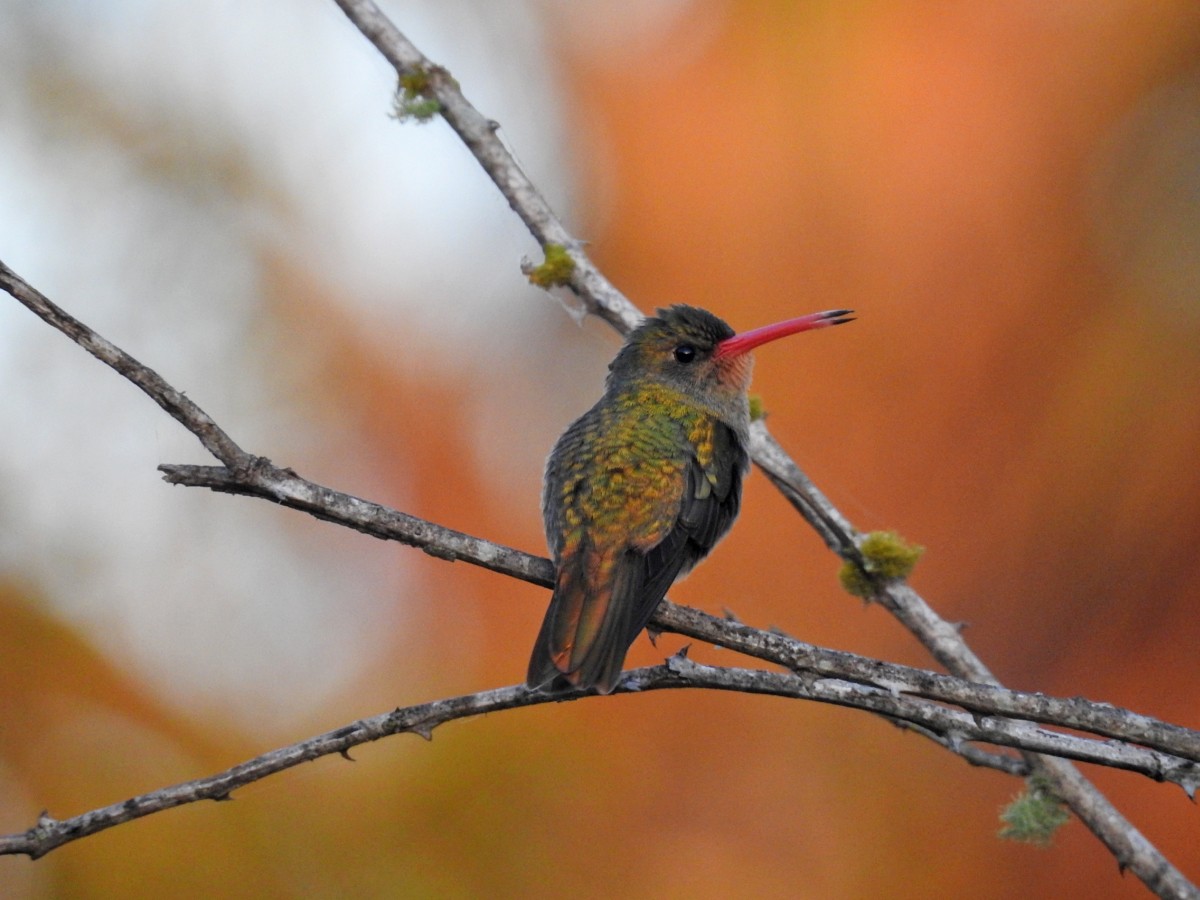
{"x":1034,"y":815}
{"x":412,"y":100}
{"x":886,"y":557}
{"x":854,"y":582}
{"x":557,"y":268}
{"x":757,"y":410}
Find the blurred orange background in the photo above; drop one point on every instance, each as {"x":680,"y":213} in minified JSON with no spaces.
{"x":1009,"y":196}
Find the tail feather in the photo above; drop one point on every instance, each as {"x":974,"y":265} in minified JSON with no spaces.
{"x":586,"y":632}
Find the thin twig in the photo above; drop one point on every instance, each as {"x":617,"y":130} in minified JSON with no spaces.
{"x":285,"y":487}
{"x":479,"y":133}
{"x":1079,"y":713}
{"x":178,"y":406}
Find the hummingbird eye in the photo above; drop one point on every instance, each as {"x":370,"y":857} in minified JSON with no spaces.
{"x":685,"y":353}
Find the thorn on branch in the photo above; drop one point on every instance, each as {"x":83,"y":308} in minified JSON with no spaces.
{"x":678,"y":663}
{"x":1189,"y":783}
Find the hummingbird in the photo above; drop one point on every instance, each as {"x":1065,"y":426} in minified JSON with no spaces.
{"x":644,"y":484}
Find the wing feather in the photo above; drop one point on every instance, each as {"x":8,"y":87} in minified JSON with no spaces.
{"x":607,"y":590}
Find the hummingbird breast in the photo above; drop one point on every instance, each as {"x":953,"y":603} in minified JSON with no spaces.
{"x":637,"y":490}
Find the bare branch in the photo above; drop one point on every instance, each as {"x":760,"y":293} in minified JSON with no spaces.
{"x":284,"y":486}
{"x":50,"y":833}
{"x":178,"y":406}
{"x":975,"y":756}
{"x":949,"y":728}
{"x":990,"y":699}
{"x":479,"y":133}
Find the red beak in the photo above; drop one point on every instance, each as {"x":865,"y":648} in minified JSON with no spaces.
{"x":748,"y":340}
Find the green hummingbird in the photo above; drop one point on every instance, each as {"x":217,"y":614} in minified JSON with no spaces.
{"x":642,"y":486}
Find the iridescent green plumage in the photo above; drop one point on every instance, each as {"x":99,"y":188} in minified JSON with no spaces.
{"x":638,"y":490}
{"x":643,"y":485}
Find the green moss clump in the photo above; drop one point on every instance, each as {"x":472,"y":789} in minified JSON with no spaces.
{"x":757,"y":410}
{"x":1034,"y":815}
{"x":854,"y":582}
{"x":886,"y":556}
{"x":412,"y":100}
{"x":557,"y":268}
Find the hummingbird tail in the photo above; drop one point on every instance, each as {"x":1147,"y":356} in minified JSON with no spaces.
{"x":580,"y":661}
{"x":601,"y":671}
{"x":588,"y":630}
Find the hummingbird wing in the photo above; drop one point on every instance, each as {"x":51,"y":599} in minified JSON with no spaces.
{"x":623,"y":536}
{"x":707,"y":507}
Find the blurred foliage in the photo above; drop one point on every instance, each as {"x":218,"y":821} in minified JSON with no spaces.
{"x":982,"y":183}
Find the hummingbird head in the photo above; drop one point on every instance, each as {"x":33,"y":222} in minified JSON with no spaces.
{"x":695,"y":352}
{"x":676,"y":347}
